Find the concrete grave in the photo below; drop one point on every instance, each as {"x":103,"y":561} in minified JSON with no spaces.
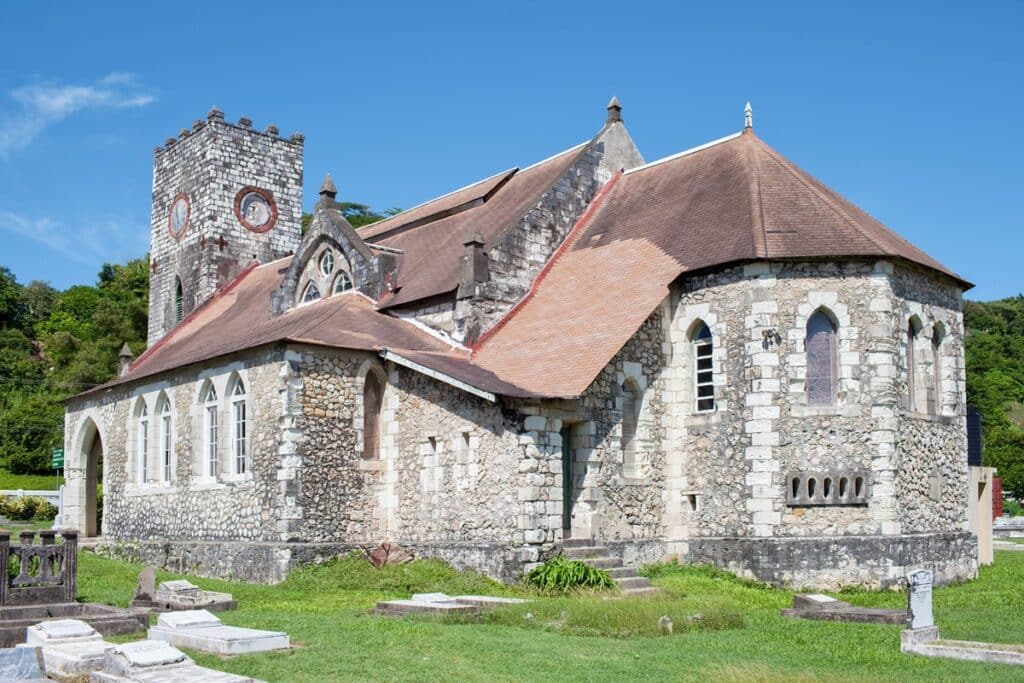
{"x":180,"y":595}
{"x":150,"y":661}
{"x":71,"y":648}
{"x":825,"y":608}
{"x":201,"y":630}
{"x":441,"y":603}
{"x":22,"y":664}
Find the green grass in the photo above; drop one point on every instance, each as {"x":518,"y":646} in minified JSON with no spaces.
{"x":29,"y":482}
{"x":739,"y":635}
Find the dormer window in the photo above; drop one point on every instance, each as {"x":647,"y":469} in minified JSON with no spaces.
{"x":311,"y":293}
{"x":327,"y":263}
{"x":342,"y":283}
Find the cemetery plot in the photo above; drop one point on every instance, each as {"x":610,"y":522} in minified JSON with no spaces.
{"x":153,"y":661}
{"x":201,"y":630}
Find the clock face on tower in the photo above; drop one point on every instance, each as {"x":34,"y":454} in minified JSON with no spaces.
{"x":255,"y":209}
{"x":177,"y":220}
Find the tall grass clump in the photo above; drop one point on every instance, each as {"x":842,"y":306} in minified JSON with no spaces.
{"x":560,"y":575}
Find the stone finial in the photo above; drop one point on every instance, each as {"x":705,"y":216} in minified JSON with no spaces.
{"x":298,"y":138}
{"x":214,"y":114}
{"x":184,"y":133}
{"x":614,"y":111}
{"x":245,"y":122}
{"x":273,"y":130}
{"x":328,"y":193}
{"x":124,"y":360}
{"x":169,"y":142}
{"x":197,"y":124}
{"x":748,"y":117}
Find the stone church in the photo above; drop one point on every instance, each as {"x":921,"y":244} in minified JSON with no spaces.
{"x":712,"y":357}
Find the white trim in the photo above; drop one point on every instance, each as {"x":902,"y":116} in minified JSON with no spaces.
{"x":685,"y":152}
{"x":440,"y":376}
{"x":556,"y":155}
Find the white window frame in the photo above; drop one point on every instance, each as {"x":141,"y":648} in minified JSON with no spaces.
{"x":211,"y":433}
{"x":699,"y":346}
{"x":142,"y":445}
{"x":166,"y":441}
{"x":326,"y":262}
{"x":239,"y":429}
{"x":342,"y":276}
{"x":306,"y":291}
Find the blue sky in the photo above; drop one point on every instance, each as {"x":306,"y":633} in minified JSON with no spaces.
{"x":911,"y":110}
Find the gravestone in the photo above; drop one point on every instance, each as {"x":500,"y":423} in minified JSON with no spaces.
{"x":201,"y":630}
{"x":825,"y":608}
{"x":919,"y":599}
{"x":22,"y":664}
{"x":146,"y":588}
{"x":149,"y":661}
{"x":179,"y":595}
{"x":71,"y":648}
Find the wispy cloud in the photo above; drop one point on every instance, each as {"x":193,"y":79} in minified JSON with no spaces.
{"x":43,"y":104}
{"x":90,"y":243}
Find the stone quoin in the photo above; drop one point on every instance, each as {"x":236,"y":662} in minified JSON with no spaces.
{"x":711,"y":357}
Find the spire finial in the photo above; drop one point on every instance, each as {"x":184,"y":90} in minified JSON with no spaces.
{"x":614,"y":110}
{"x":328,"y":188}
{"x":748,"y":116}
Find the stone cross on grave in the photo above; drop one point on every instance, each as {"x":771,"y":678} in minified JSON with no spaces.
{"x":919,"y":599}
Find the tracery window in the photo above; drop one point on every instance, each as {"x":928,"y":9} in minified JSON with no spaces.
{"x":342,"y":283}
{"x":210,"y":427}
{"x":703,"y":372}
{"x":311,"y":293}
{"x":821,"y":359}
{"x":239,"y":428}
{"x":327,"y":263}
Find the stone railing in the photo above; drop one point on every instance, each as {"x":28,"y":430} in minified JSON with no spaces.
{"x":46,"y":573}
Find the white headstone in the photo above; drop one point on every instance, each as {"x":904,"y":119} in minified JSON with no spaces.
{"x":818,"y":597}
{"x":920,"y":599}
{"x":432,"y":597}
{"x":178,"y":586}
{"x":196,"y":618}
{"x":64,"y":628}
{"x":146,"y":653}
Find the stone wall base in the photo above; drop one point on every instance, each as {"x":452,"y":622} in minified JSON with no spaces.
{"x":831,"y":562}
{"x":822,"y":563}
{"x":264,"y":562}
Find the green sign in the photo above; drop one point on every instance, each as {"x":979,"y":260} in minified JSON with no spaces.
{"x":57,"y":458}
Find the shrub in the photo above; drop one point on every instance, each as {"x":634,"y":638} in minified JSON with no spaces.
{"x":27,"y":508}
{"x":1012,"y":508}
{"x":560,"y":574}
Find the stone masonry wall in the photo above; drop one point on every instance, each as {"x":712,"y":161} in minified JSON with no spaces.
{"x":210,"y":163}
{"x":192,"y":505}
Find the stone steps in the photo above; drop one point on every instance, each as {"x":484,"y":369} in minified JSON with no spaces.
{"x":600,"y":557}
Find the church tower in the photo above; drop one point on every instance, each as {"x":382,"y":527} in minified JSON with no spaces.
{"x":224,"y":195}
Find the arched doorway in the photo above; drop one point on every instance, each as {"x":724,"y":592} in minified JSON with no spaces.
{"x":83,"y":473}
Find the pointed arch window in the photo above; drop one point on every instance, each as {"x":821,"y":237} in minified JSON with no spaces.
{"x":142,"y":444}
{"x":821,"y":359}
{"x":179,"y":301}
{"x":373,"y":394}
{"x":703,"y":368}
{"x":912,"y":362}
{"x":311,"y":293}
{"x":938,"y":336}
{"x":630,"y":418}
{"x":166,"y":439}
{"x":342,"y":283}
{"x":239,"y":428}
{"x":211,"y":456}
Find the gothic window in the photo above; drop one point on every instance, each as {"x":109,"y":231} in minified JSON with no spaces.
{"x":327,"y":263}
{"x":142,"y":443}
{"x":373,"y":393}
{"x":311,"y":293}
{"x":210,"y":420}
{"x":703,"y":373}
{"x":166,"y":439}
{"x":179,"y":304}
{"x":239,"y":429}
{"x":821,"y":359}
{"x":912,"y":362}
{"x":342,"y":283}
{"x":938,"y":336}
{"x":630,"y":418}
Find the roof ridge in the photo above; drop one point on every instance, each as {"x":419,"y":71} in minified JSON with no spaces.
{"x":756,"y":205}
{"x":791,"y":169}
{"x":592,"y":210}
{"x":685,"y":152}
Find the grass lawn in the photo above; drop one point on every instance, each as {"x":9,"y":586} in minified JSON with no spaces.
{"x":29,"y":482}
{"x":738,"y":634}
